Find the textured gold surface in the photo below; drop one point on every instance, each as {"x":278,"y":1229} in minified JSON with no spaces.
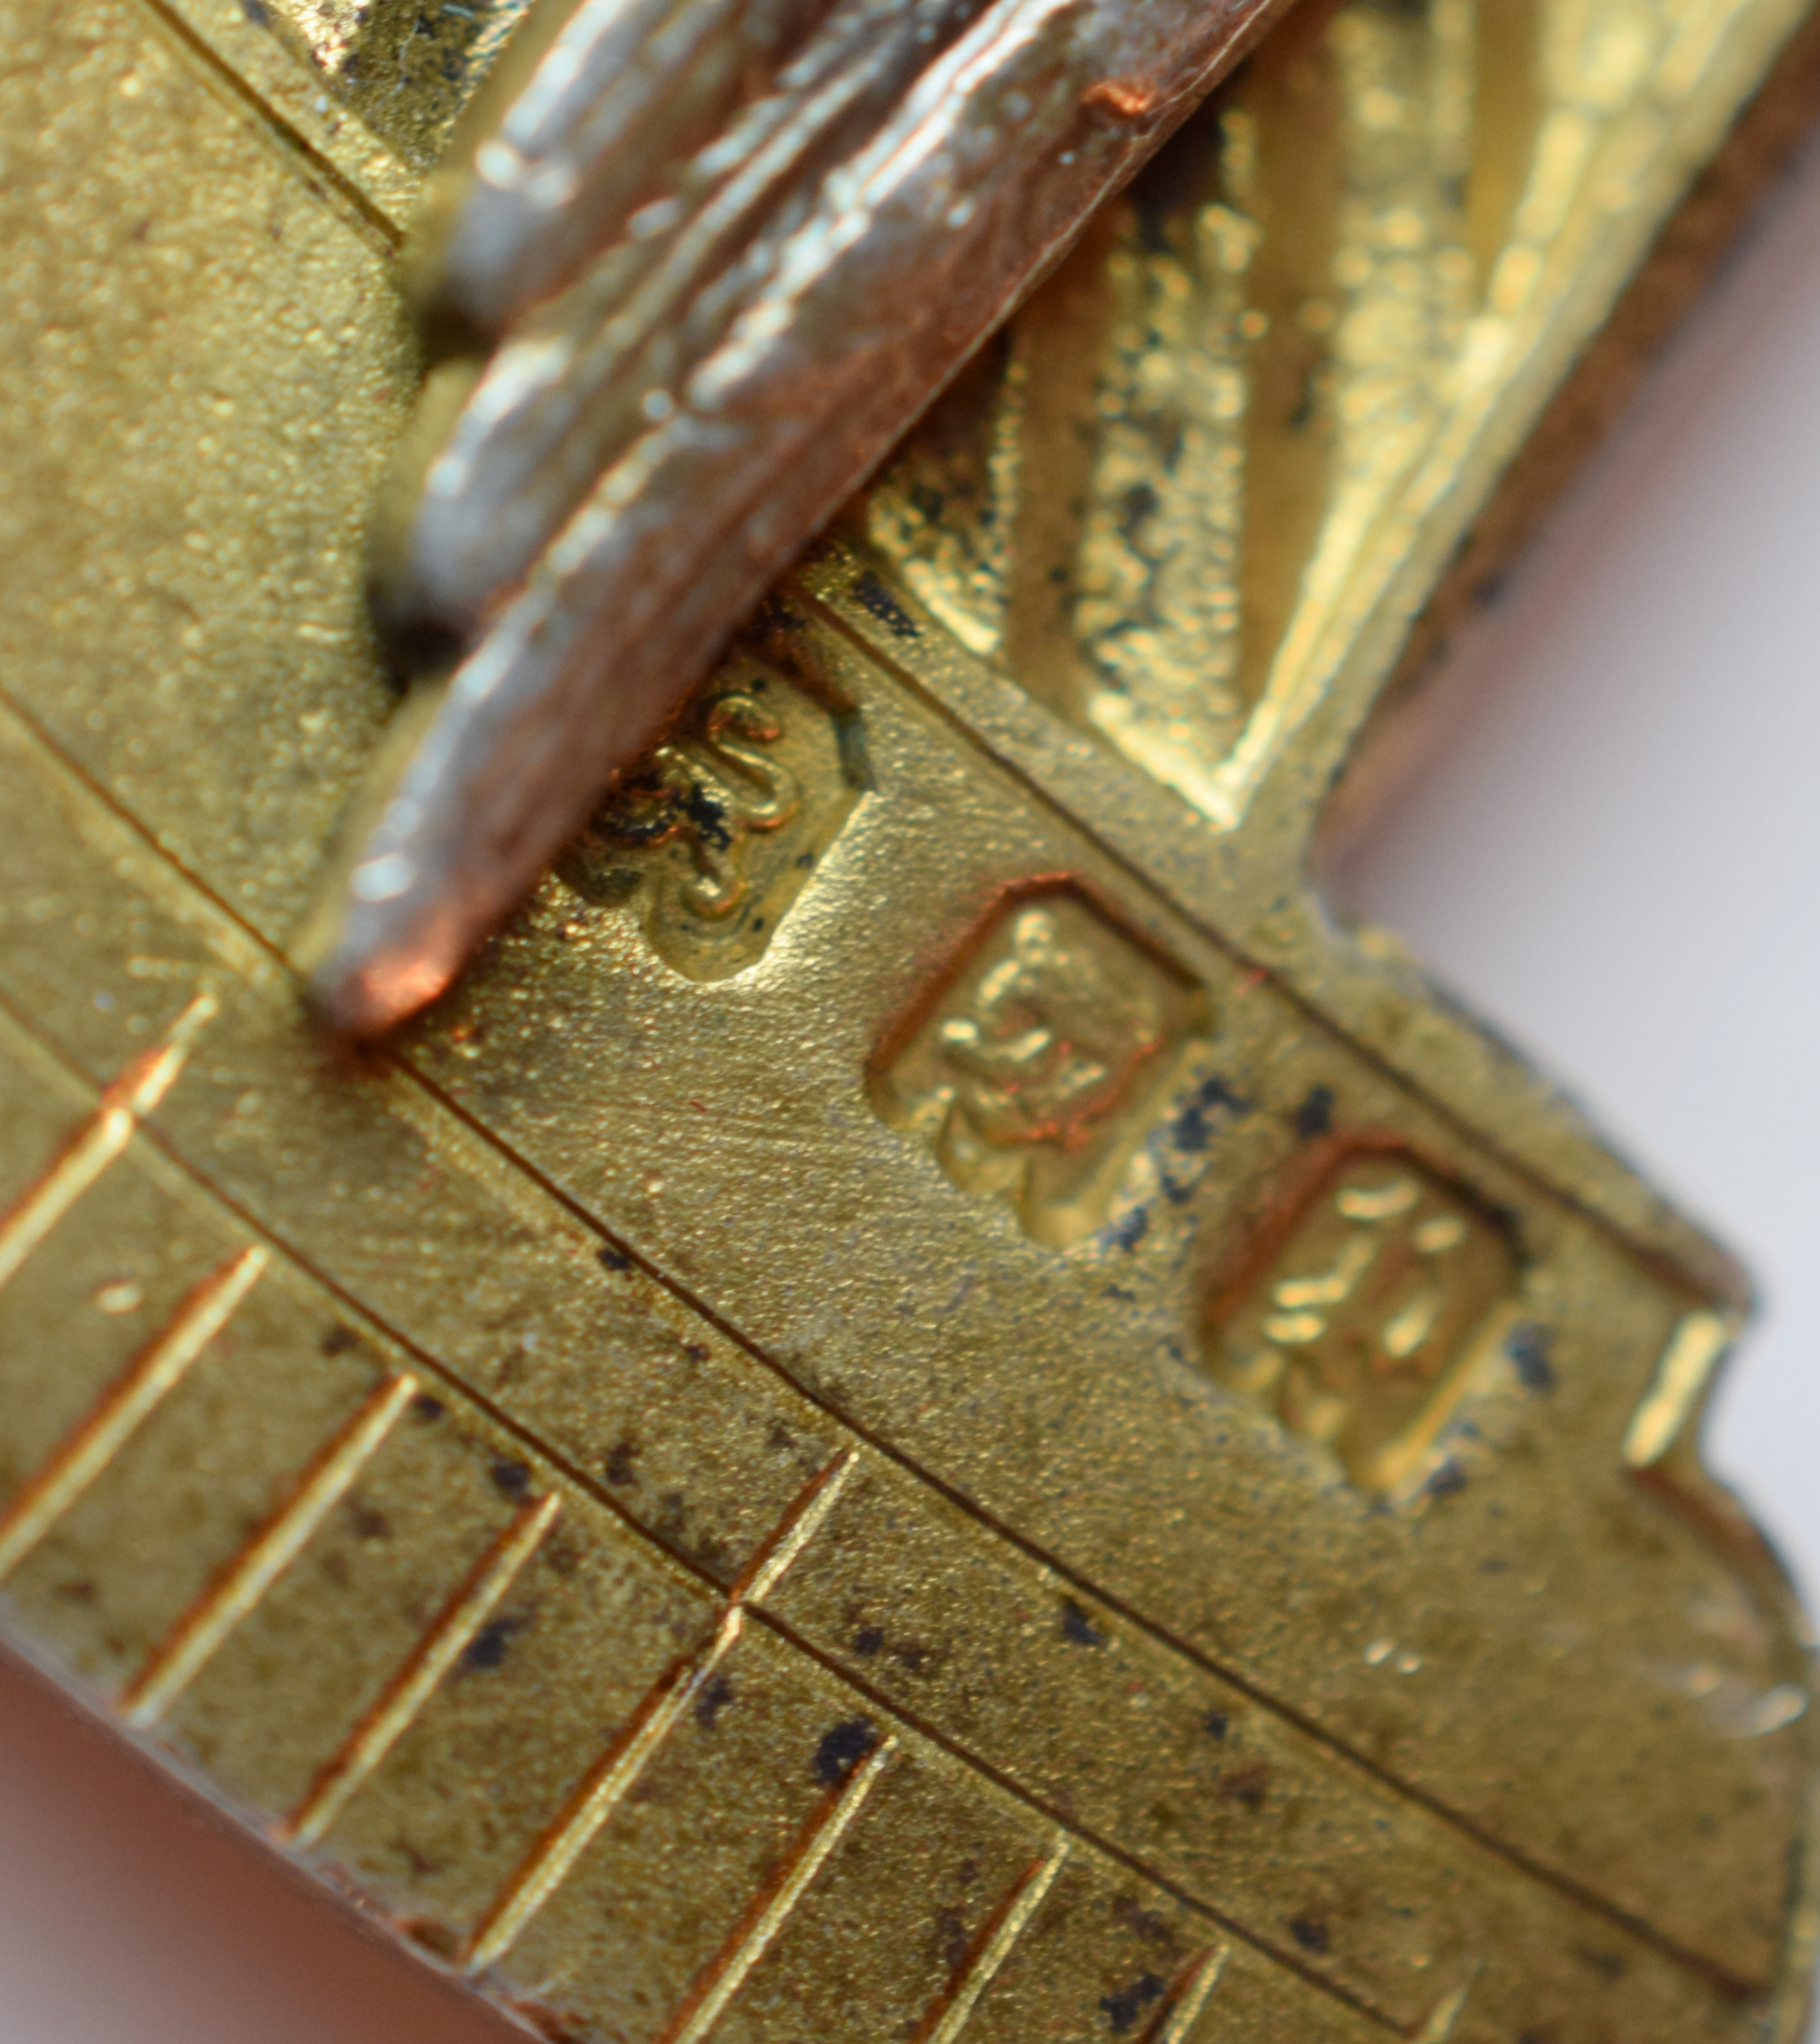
{"x":770,"y":1472}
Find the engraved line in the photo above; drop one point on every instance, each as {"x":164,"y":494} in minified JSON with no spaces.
{"x":125,"y":1407}
{"x":1291,"y":1961}
{"x":1459,"y":1822}
{"x":303,"y":157}
{"x":1323,"y":1983}
{"x":415,"y":1683}
{"x":606,"y":1784}
{"x":459,"y":1117}
{"x":602,"y":1791}
{"x":1031,"y":1798}
{"x":121,"y":1107}
{"x":1179,"y":2013}
{"x":1463,"y":1826}
{"x":200,"y":1631}
{"x":948,"y":2016}
{"x":729,"y":1970}
{"x":799,"y":1525}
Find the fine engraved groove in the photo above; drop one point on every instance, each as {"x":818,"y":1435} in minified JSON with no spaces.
{"x":125,"y":1408}
{"x":133,"y":1096}
{"x":199,"y":1634}
{"x":602,"y":1791}
{"x":330,"y":180}
{"x":416,"y":1681}
{"x":633,"y":471}
{"x":728,"y":1971}
{"x":1440,"y":2026}
{"x":807,"y":1514}
{"x":948,"y":2017}
{"x":607,"y":1784}
{"x":1178,"y":2014}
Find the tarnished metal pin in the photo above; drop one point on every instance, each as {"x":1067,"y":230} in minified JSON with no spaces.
{"x":722,"y":258}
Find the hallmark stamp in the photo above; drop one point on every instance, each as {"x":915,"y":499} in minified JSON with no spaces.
{"x":1359,"y":1332}
{"x":1042,"y":1065}
{"x":716,"y":836}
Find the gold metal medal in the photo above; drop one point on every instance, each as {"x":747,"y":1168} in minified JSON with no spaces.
{"x":923,"y":1407}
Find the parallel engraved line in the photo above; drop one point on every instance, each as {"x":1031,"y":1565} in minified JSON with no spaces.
{"x":607,"y":1784}
{"x":1181,"y":2012}
{"x":602,"y":1791}
{"x":415,"y":1683}
{"x":807,"y":1513}
{"x":728,"y":1973}
{"x":199,"y":1633}
{"x":125,"y":1408}
{"x":947,"y":2019}
{"x":133,"y":1096}
{"x":318,"y":172}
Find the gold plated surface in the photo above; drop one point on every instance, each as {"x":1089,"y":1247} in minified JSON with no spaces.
{"x":927,"y":1408}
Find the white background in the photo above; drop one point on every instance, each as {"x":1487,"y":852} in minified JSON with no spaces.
{"x":1615,"y":854}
